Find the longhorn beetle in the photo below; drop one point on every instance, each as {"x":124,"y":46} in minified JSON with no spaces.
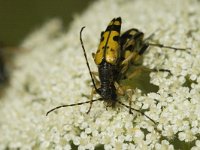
{"x":107,"y":58}
{"x":114,"y":55}
{"x":133,"y":47}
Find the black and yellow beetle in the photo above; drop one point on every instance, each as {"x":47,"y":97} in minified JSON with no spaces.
{"x":113,"y":58}
{"x":133,"y":45}
{"x":108,"y":59}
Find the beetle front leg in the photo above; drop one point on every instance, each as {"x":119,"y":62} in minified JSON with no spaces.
{"x":91,"y":98}
{"x":94,"y":74}
{"x":119,"y":89}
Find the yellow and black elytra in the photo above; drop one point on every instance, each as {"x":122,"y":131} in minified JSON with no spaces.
{"x":115,"y":54}
{"x":107,"y":59}
{"x":133,"y":45}
{"x":109,"y":48}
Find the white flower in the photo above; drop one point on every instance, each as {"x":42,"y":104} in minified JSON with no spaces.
{"x":52,"y":71}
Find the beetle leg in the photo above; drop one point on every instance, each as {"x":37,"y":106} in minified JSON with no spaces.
{"x":122,"y":91}
{"x":94,"y":75}
{"x":93,"y":91}
{"x":169,"y":47}
{"x":130,"y":93}
{"x":161,"y":70}
{"x":91,"y":98}
{"x":119,"y":89}
{"x":142,"y":68}
{"x":134,"y":57}
{"x":137,"y":71}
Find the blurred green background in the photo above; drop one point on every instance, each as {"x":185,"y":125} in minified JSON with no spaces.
{"x":18,"y":18}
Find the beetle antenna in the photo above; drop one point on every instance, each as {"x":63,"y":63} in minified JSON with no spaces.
{"x":75,"y":104}
{"x":86,"y":58}
{"x":137,"y":111}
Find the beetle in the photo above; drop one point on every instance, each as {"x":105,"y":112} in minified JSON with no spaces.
{"x":108,"y":60}
{"x":115,"y":54}
{"x":133,"y":45}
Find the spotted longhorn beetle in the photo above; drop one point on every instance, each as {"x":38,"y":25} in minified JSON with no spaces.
{"x":114,"y":55}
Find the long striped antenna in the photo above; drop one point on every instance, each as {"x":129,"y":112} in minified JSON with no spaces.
{"x":84,"y":52}
{"x":136,"y":111}
{"x":81,"y":103}
{"x":75,"y":104}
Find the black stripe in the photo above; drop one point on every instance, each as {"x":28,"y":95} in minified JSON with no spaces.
{"x":114,"y":28}
{"x":116,"y":38}
{"x":128,"y":34}
{"x":143,"y":49}
{"x":130,"y":47}
{"x":138,"y":35}
{"x":119,"y":19}
{"x":111,"y":28}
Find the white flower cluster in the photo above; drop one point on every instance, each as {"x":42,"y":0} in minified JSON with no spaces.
{"x":52,"y":71}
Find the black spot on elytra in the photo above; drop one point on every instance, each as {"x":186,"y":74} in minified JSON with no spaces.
{"x":102,"y":33}
{"x":130,"y":47}
{"x":102,"y":38}
{"x":116,"y":38}
{"x":107,"y":47}
{"x":114,"y":28}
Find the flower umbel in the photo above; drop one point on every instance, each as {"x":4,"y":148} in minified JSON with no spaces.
{"x":52,"y":71}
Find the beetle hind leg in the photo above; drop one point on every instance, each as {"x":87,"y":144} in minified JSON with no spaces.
{"x":121,"y":91}
{"x":130,"y":94}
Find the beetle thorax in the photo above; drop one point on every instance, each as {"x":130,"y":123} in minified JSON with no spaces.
{"x":107,"y":78}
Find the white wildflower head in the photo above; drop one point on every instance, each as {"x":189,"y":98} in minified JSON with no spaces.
{"x":52,"y":71}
